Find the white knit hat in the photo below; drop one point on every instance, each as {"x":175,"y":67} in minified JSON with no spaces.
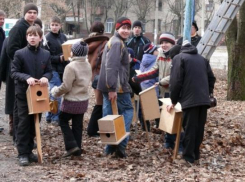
{"x":79,"y":49}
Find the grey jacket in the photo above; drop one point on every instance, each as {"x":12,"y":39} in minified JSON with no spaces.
{"x":114,"y":72}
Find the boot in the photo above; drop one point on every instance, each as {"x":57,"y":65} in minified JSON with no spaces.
{"x":11,"y":124}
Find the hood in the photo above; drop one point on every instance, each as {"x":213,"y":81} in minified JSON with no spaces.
{"x":148,"y":59}
{"x":189,"y":49}
{"x":80,"y":59}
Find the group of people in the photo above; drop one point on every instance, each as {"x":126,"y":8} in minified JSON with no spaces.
{"x":28,"y":57}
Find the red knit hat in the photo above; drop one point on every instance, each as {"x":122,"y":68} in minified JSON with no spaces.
{"x":123,"y":21}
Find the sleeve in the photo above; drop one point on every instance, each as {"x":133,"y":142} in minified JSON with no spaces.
{"x":176,"y":79}
{"x":165,"y":81}
{"x":55,"y":59}
{"x":15,"y":41}
{"x":4,"y":62}
{"x":48,"y":70}
{"x":16,"y":69}
{"x":113,"y":64}
{"x":211,"y":78}
{"x":152,"y":73}
{"x":66,"y":86}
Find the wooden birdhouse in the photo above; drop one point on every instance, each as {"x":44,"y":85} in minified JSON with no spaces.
{"x":169,"y":122}
{"x":112,"y":129}
{"x":66,"y":48}
{"x":38,"y":99}
{"x":149,"y":103}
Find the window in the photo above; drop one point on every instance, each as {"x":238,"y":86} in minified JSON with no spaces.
{"x":159,"y":25}
{"x":97,"y":19}
{"x":160,"y":5}
{"x":109,"y":25}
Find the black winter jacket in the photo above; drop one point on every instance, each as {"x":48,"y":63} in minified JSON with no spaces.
{"x":17,"y":37}
{"x":54,"y":42}
{"x":137,"y":44}
{"x":30,"y":62}
{"x":194,"y":40}
{"x":191,"y":79}
{"x":2,"y":37}
{"x":4,"y":62}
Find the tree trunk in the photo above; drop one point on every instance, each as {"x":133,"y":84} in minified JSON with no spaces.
{"x":235,"y":37}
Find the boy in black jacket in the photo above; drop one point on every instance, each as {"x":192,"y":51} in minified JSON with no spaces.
{"x":54,"y":41}
{"x":191,"y":83}
{"x":30,"y":65}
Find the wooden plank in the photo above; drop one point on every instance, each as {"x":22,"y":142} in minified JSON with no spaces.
{"x":38,"y":137}
{"x":114,"y":107}
{"x":176,"y":148}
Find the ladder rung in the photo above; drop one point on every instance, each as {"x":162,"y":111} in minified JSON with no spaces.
{"x":218,"y":31}
{"x":227,"y":18}
{"x":238,"y":5}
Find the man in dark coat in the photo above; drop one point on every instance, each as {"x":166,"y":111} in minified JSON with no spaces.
{"x":17,"y":40}
{"x":191,"y":83}
{"x":195,"y":38}
{"x":2,"y":37}
{"x":137,"y":40}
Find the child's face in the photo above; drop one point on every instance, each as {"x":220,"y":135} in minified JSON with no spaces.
{"x":166,"y":46}
{"x":55,"y":27}
{"x":124,"y":31}
{"x":33,"y":39}
{"x":155,"y":53}
{"x":31,"y":16}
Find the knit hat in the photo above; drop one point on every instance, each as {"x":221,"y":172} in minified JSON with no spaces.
{"x":168,"y":37}
{"x":137,"y":23}
{"x":149,"y":48}
{"x":131,"y":52}
{"x":79,"y":49}
{"x":122,"y":21}
{"x":185,"y":42}
{"x":30,"y":6}
{"x":195,"y":25}
{"x":97,"y":27}
{"x":174,"y":51}
{"x":38,"y":22}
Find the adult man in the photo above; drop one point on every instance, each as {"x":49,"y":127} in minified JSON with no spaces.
{"x":17,"y":40}
{"x":195,"y":38}
{"x":137,"y":40}
{"x":188,"y":70}
{"x":2,"y":37}
{"x":113,"y":81}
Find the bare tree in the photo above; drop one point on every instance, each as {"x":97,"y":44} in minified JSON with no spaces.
{"x":12,"y":8}
{"x":142,"y":8}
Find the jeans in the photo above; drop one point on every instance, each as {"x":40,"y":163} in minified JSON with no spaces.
{"x":125,"y":108}
{"x":55,"y":81}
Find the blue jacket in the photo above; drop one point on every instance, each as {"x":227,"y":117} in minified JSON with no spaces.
{"x":147,"y":63}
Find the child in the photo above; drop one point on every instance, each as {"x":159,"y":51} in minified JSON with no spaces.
{"x":54,"y":40}
{"x":162,"y":70}
{"x":113,"y":81}
{"x":76,"y":79}
{"x":148,"y":61}
{"x":30,"y":65}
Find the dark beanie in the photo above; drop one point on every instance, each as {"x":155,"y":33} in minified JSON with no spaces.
{"x":195,"y":25}
{"x":122,"y":21}
{"x":174,"y":51}
{"x":30,"y":6}
{"x":79,"y":49}
{"x":131,"y":52}
{"x":97,"y":27}
{"x":149,"y":48}
{"x":137,"y":23}
{"x":38,"y":22}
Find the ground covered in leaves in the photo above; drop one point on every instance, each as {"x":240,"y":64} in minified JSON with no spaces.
{"x":222,"y":152}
